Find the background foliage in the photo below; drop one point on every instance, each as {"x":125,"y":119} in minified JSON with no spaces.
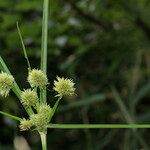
{"x":100,"y":44}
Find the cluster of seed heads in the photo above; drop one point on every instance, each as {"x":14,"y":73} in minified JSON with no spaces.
{"x":30,"y":99}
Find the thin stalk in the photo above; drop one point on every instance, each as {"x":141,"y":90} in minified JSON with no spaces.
{"x":23,"y":47}
{"x":96,"y":126}
{"x":55,"y":107}
{"x":11,"y":116}
{"x":44,"y":44}
{"x":43,"y":140}
{"x":44,"y":36}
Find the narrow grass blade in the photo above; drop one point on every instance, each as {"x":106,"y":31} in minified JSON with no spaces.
{"x":128,"y":118}
{"x":23,"y":47}
{"x":83,"y":102}
{"x":122,"y":107}
{"x":44,"y":44}
{"x":11,"y":116}
{"x":98,"y":126}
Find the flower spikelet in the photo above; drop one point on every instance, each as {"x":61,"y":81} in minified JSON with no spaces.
{"x":6,"y":83}
{"x":41,"y":119}
{"x":29,"y":98}
{"x":25,"y":124}
{"x":37,"y":78}
{"x":64,"y":87}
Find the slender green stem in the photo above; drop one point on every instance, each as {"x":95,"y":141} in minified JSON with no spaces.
{"x":43,"y":140}
{"x":94,"y":126}
{"x":11,"y":116}
{"x":44,"y":36}
{"x":23,"y":47}
{"x":55,"y":107}
{"x":44,"y":44}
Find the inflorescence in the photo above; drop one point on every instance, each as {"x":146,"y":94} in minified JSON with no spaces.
{"x":6,"y":83}
{"x":29,"y":98}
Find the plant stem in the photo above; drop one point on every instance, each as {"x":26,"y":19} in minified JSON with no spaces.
{"x":44,"y":36}
{"x":55,"y":106}
{"x":94,"y":126}
{"x":43,"y":140}
{"x":11,"y":116}
{"x":44,"y":45}
{"x":23,"y":47}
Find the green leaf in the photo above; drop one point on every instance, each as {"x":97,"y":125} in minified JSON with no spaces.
{"x":11,"y":116}
{"x":122,"y":106}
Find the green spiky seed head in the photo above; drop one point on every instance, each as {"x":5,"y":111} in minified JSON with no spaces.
{"x":25,"y":124}
{"x":64,"y":87}
{"x":29,"y":98}
{"x":37,"y":78}
{"x":44,"y":109}
{"x":42,"y":118}
{"x":6,"y":83}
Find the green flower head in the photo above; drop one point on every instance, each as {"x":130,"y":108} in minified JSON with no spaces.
{"x":42,"y":118}
{"x":25,"y":124}
{"x":44,"y":109}
{"x":37,"y":78}
{"x":6,"y":83}
{"x":64,"y":87}
{"x":29,"y":98}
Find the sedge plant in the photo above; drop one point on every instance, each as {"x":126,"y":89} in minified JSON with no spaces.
{"x":34,"y":99}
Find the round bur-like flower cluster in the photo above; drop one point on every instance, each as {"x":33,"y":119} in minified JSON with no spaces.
{"x":29,"y":98}
{"x":25,"y":124}
{"x":6,"y":83}
{"x":37,"y":78}
{"x":64,"y":87}
{"x":42,"y":118}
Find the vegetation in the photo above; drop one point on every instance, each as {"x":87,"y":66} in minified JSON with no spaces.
{"x":104,"y":47}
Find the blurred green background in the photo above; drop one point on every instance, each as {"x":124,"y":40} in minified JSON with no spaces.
{"x":100,"y":44}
